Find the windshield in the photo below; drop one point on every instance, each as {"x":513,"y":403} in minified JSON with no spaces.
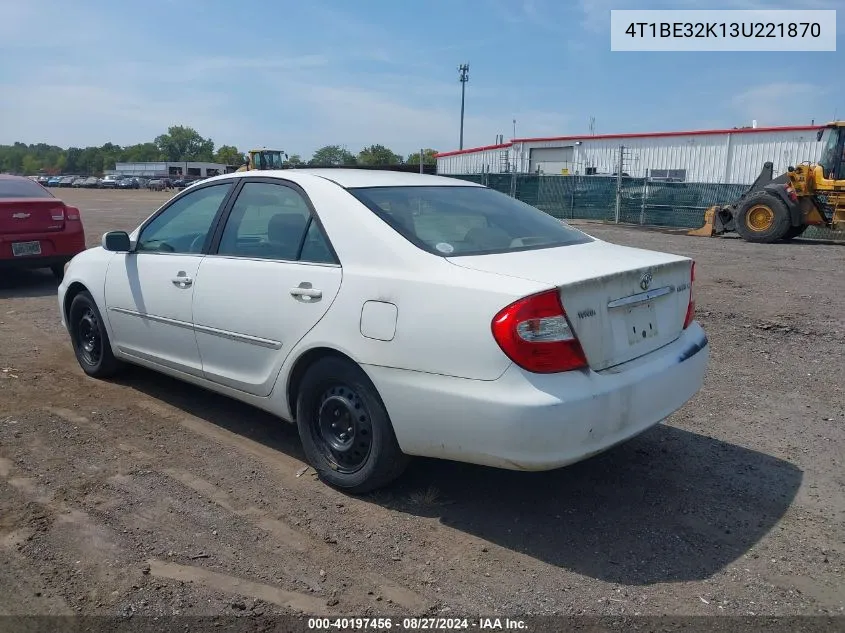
{"x":22,"y":188}
{"x":273,"y":160}
{"x":454,"y":221}
{"x":831,"y":150}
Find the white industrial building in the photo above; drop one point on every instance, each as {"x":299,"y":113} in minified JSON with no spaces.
{"x":731,"y":156}
{"x":171,"y":169}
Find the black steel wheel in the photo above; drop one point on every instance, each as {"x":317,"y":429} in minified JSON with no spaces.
{"x":345,"y":430}
{"x":89,"y":338}
{"x":342,"y":430}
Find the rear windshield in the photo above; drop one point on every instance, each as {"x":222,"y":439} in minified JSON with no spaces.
{"x":22,"y":188}
{"x":454,"y":221}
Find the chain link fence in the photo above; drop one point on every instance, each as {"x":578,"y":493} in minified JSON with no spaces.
{"x":628,"y":200}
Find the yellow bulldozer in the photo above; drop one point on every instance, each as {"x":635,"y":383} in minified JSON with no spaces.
{"x":263,"y":159}
{"x":772,"y":209}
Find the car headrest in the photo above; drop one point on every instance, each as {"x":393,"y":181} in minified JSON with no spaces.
{"x":488,"y":237}
{"x":286,"y":227}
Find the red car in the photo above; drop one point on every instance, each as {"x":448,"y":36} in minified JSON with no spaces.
{"x":37,"y":230}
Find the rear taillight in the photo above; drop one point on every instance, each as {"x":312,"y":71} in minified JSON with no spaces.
{"x":535,"y":334}
{"x":58,"y":214}
{"x":72,"y":214}
{"x":691,"y":306}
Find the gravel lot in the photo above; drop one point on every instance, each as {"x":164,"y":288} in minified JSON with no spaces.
{"x":147,"y":496}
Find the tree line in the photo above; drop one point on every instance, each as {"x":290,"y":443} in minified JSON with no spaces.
{"x":178,"y":144}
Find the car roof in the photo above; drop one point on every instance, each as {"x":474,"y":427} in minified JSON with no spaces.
{"x":350,"y":178}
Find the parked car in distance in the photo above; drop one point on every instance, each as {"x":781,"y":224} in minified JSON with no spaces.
{"x":156,"y":184}
{"x":411,"y":315}
{"x":128,"y":183}
{"x":37,"y":230}
{"x":92,"y":182}
{"x":142,"y":182}
{"x":43,"y":180}
{"x":110,"y":181}
{"x":54,"y":181}
{"x":67,"y":181}
{"x":78,"y":183}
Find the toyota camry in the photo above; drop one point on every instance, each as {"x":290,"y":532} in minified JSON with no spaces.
{"x":390,"y":315}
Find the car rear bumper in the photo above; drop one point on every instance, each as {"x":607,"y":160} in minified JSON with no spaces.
{"x":56,"y":248}
{"x":525,"y":421}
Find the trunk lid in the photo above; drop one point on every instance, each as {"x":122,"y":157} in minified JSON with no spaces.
{"x":31,"y":215}
{"x":622,"y":302}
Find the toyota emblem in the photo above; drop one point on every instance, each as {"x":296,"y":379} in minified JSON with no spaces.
{"x":645,"y":280}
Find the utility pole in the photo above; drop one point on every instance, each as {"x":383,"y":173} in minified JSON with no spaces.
{"x":463,"y":69}
{"x":422,"y":158}
{"x":619,"y":171}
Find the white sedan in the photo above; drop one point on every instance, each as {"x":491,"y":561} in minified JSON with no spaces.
{"x":389,"y":314}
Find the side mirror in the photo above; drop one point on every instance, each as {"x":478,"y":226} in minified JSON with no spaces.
{"x":117,"y":242}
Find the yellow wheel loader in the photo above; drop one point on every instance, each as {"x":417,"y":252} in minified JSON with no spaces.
{"x":772,"y":209}
{"x":263,"y":159}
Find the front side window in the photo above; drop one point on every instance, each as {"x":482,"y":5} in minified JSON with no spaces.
{"x":273,"y":221}
{"x":830,"y":156}
{"x":184,"y":226}
{"x":454,"y":221}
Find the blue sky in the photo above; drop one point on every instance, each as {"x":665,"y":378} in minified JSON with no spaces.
{"x":300,"y":75}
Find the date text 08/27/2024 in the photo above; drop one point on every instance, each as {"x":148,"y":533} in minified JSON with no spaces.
{"x":416,"y":624}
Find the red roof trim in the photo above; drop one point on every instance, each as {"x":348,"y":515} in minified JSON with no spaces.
{"x":540,"y":139}
{"x":473,"y":149}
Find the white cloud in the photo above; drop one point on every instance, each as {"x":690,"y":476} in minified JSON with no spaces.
{"x":215,"y":64}
{"x":76,"y":114}
{"x":777,"y":103}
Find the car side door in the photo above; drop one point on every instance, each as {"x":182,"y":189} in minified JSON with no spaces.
{"x":149,"y":291}
{"x":269,"y":278}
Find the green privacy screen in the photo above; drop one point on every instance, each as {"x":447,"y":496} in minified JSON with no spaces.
{"x":667,"y":204}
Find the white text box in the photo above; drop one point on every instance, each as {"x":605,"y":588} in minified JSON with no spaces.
{"x":725,"y":30}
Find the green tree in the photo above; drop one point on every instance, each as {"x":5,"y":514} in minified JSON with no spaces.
{"x":31,"y":164}
{"x":184,"y":143}
{"x":142,"y":153}
{"x":295,"y":161}
{"x":229,"y":155}
{"x":332,"y":155}
{"x":429,"y":157}
{"x":378,"y":155}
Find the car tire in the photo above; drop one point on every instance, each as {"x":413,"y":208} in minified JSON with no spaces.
{"x":358,"y":453}
{"x":762,"y":218}
{"x":58,"y":271}
{"x":90,"y":339}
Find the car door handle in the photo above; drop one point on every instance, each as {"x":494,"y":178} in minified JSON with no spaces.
{"x":311,"y":293}
{"x":182,"y":282}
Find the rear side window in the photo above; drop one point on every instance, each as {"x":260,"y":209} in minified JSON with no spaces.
{"x":454,"y":221}
{"x":22,"y":188}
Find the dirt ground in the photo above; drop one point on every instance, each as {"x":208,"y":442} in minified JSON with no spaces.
{"x":148,"y":496}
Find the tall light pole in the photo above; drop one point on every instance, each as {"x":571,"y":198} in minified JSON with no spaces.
{"x":463,"y":69}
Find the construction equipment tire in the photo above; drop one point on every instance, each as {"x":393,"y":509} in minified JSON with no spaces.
{"x":763,"y":218}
